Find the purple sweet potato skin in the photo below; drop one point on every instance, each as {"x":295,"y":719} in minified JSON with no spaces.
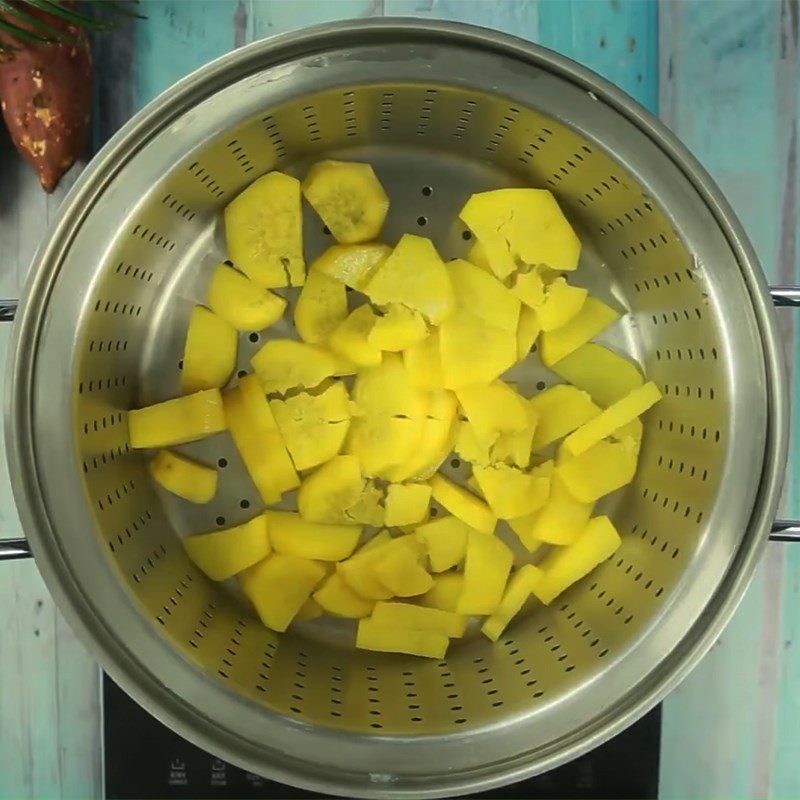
{"x":46,"y":98}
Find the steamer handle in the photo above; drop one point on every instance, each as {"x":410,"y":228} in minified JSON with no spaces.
{"x":785,"y":530}
{"x":11,"y":548}
{"x":785,"y":296}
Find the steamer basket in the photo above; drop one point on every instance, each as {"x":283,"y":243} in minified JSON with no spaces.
{"x":459,"y":110}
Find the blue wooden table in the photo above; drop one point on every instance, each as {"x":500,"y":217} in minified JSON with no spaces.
{"x":724,"y":75}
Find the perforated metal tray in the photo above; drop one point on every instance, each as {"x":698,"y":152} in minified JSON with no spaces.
{"x":455,"y":109}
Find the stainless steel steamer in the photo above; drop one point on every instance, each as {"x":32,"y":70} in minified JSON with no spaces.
{"x":456,"y":109}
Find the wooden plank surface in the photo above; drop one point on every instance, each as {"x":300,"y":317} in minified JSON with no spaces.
{"x":729,"y":89}
{"x":724,"y":76}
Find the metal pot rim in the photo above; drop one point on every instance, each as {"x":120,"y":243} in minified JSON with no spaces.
{"x":186,"y":93}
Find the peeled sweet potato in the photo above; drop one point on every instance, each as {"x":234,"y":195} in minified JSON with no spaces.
{"x":46,"y":95}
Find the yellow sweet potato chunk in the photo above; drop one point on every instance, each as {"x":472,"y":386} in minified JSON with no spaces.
{"x":561,"y":410}
{"x":601,"y":372}
{"x":379,"y":539}
{"x":371,"y":636}
{"x":397,"y":329}
{"x":348,"y":198}
{"x":445,"y":541}
{"x":313,"y":427}
{"x":521,"y":225}
{"x":611,"y":419}
{"x":462,"y":504}
{"x":546,"y":274}
{"x":564,"y":566}
{"x":358,"y":572}
{"x":496,"y":409}
{"x":445,"y":592}
{"x":500,"y":425}
{"x":423,"y":362}
{"x":528,"y":330}
{"x":393,"y":413}
{"x":593,"y":317}
{"x":600,"y":470}
{"x":242,"y":303}
{"x":383,"y":443}
{"x":223,"y":554}
{"x":400,"y":572}
{"x":419,"y":618}
{"x":350,"y":339}
{"x":258,"y":440}
{"x":351,"y":264}
{"x":515,"y":448}
{"x":291,"y":535}
{"x":184,"y":419}
{"x":330,"y":490}
{"x":634,"y":430}
{"x":336,"y":493}
{"x":320,"y":309}
{"x":209,"y":355}
{"x":483,"y":295}
{"x":336,"y":597}
{"x":308,"y":611}
{"x":184,"y":477}
{"x":559,"y":521}
{"x":528,"y":286}
{"x":283,"y":364}
{"x":510,"y":492}
{"x":264,"y":231}
{"x":561,"y":303}
{"x":486,"y":570}
{"x":406,"y":503}
{"x":473,"y":351}
{"x":468,"y":447}
{"x":368,"y":508}
{"x":361,"y":579}
{"x":435,"y":442}
{"x":477,"y":255}
{"x":415,"y":276}
{"x":387,"y":390}
{"x":519,"y":589}
{"x":279,"y":586}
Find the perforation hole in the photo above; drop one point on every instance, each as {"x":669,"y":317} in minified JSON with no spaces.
{"x":275,"y":137}
{"x":350,"y":122}
{"x":536,"y":144}
{"x":387,"y":102}
{"x":425,"y":112}
{"x":206,"y":180}
{"x":181,"y":209}
{"x":312,"y":124}
{"x":464,"y":119}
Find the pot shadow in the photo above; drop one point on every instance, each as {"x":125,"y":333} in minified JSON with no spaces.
{"x":11,"y":162}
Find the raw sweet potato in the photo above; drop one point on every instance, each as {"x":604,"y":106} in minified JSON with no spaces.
{"x":46,"y":96}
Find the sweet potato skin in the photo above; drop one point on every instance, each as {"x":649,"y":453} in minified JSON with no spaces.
{"x":46,"y":98}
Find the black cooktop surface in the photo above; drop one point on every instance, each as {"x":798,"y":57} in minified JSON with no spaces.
{"x":143,"y":759}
